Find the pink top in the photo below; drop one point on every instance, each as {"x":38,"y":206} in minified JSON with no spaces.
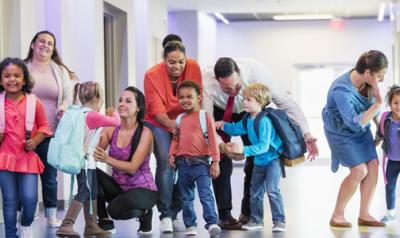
{"x":95,"y":120}
{"x":13,"y":156}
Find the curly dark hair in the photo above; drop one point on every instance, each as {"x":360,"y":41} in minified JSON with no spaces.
{"x":27,"y":88}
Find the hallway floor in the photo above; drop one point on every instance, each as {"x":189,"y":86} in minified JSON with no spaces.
{"x":309,"y":193}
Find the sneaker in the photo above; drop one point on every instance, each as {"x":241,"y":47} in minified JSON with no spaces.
{"x":214,"y":230}
{"x":107,"y":225}
{"x":25,"y":232}
{"x":177,"y":225}
{"x":145,"y":222}
{"x":252,"y":226}
{"x":388,"y":218}
{"x":166,"y":225}
{"x":279,"y":227}
{"x":53,"y":222}
{"x":191,"y":231}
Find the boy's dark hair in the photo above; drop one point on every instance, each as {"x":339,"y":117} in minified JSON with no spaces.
{"x":373,"y":60}
{"x":139,"y":118}
{"x":171,"y":37}
{"x":189,"y":84}
{"x":27,"y":88}
{"x":225,"y":67}
{"x":393,"y":91}
{"x":55,"y":57}
{"x":173,"y":46}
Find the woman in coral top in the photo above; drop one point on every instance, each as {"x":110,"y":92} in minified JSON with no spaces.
{"x":162,"y":107}
{"x":19,"y":164}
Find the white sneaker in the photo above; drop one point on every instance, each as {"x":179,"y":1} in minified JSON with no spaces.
{"x":191,"y":231}
{"x":388,"y":218}
{"x":178,"y":225}
{"x":25,"y":232}
{"x":279,"y":227}
{"x":214,"y":230}
{"x":252,"y":226}
{"x":166,"y":225}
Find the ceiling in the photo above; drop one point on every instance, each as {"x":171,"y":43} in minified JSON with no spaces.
{"x":242,"y":10}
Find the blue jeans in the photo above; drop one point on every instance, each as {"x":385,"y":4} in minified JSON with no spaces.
{"x":392,"y":173}
{"x":266,"y":179}
{"x":190,"y":173}
{"x":48,"y":177}
{"x":18,"y":187}
{"x":168,"y":201}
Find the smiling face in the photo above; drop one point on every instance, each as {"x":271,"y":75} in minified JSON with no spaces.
{"x":175,"y":61}
{"x":230,"y":85}
{"x":395,"y":106}
{"x":127,"y":105}
{"x":188,"y":99}
{"x":43,"y":47}
{"x":12,"y":80}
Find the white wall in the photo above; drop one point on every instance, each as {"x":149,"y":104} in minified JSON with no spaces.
{"x":281,"y":45}
{"x":207,"y":39}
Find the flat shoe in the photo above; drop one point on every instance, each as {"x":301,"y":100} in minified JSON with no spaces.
{"x":344,"y":224}
{"x":362,"y":222}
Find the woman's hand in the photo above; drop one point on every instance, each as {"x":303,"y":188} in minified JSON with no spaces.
{"x":30,"y":144}
{"x":100,"y":154}
{"x":219,"y":125}
{"x":377,"y":94}
{"x":311,"y":145}
{"x":172,"y":161}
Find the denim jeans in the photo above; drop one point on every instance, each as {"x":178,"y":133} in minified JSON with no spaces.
{"x":83,"y":194}
{"x":18,"y":187}
{"x":266,"y":178}
{"x":392,"y":173}
{"x":168,"y":201}
{"x":48,"y":177}
{"x":191,"y":174}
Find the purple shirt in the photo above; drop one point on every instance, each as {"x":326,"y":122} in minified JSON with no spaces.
{"x":394,"y":146}
{"x":143,"y":178}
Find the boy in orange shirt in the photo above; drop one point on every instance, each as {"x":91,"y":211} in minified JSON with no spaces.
{"x":190,"y":151}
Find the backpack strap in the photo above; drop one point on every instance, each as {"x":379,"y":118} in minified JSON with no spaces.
{"x":2,"y":112}
{"x":382,"y":123}
{"x":384,"y":155}
{"x":203,"y":124}
{"x":30,"y":114}
{"x":179,"y":118}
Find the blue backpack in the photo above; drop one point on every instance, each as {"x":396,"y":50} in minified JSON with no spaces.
{"x":293,"y":143}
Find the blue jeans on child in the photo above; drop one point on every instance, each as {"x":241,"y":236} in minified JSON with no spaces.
{"x":266,"y":179}
{"x":190,"y":174}
{"x":392,"y":173}
{"x":18,"y":187}
{"x":168,"y":202}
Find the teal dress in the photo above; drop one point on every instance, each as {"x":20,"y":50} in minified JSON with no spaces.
{"x":350,"y":142}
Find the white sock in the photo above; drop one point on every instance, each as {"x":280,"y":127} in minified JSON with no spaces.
{"x":391,"y":212}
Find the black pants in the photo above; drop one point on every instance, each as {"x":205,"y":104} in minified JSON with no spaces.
{"x":121,"y":205}
{"x":222,"y":184}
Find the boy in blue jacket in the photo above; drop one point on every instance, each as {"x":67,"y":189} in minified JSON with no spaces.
{"x":265,"y":148}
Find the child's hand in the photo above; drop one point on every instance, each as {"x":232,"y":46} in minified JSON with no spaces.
{"x":29,"y":144}
{"x":214,"y":169}
{"x":233,"y":148}
{"x":219,"y":125}
{"x":60,"y":114}
{"x":172,"y":161}
{"x":110,"y":111}
{"x":99,"y":154}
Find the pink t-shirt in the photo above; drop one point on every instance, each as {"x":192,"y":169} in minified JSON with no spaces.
{"x":13,"y":156}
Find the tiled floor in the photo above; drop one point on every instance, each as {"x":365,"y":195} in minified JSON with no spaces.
{"x":309,"y":193}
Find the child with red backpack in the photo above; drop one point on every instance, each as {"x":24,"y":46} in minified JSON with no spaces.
{"x":19,"y":164}
{"x":388,"y":131}
{"x":265,"y":147}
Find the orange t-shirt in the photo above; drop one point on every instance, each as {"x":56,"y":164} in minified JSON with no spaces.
{"x":191,"y":141}
{"x":158,"y":90}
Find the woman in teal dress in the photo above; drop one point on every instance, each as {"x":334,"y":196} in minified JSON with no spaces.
{"x":352,"y":103}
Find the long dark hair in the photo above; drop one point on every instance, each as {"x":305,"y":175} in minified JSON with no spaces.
{"x":139,"y":118}
{"x":55,"y":57}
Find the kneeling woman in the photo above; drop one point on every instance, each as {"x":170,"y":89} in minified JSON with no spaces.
{"x":131,"y":190}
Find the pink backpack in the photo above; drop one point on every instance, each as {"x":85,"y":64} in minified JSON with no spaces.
{"x":384,"y":155}
{"x":30,"y":113}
